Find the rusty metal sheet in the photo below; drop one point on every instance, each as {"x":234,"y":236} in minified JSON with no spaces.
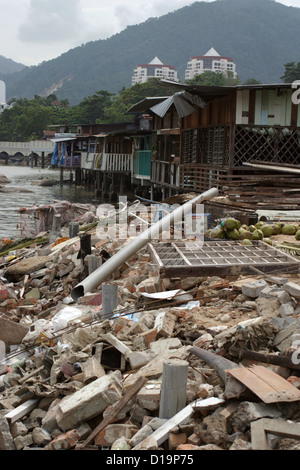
{"x":266,"y":384}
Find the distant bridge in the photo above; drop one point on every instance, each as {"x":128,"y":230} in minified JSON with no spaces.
{"x":22,"y":151}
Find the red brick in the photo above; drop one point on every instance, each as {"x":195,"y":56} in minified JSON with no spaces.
{"x":187,"y":447}
{"x":176,"y":439}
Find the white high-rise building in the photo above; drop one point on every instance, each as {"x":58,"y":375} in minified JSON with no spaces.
{"x":155,"y":69}
{"x":211,"y":61}
{"x":3,"y":104}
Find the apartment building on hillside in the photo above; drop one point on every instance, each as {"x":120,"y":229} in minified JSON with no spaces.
{"x":155,"y":69}
{"x":212,"y":61}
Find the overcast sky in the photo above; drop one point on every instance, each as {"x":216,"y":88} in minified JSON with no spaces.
{"x":36,"y":30}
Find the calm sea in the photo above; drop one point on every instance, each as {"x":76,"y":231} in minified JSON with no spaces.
{"x":22,"y":178}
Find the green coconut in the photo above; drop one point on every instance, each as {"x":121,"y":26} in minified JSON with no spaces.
{"x":217,"y":232}
{"x":297,"y":235}
{"x":258,"y":225}
{"x":246,"y":242}
{"x":233,"y":234}
{"x":252,"y":228}
{"x":267,"y":230}
{"x":289,"y":229}
{"x":244,"y":226}
{"x":268,"y":241}
{"x":257,"y":235}
{"x":231,"y":224}
{"x":276,"y":229}
{"x":246,"y":235}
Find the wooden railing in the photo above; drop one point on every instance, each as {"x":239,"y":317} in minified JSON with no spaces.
{"x":199,"y":178}
{"x":165,"y":174}
{"x":118,"y":162}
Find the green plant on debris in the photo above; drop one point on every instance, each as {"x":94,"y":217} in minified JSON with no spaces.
{"x":8,"y":246}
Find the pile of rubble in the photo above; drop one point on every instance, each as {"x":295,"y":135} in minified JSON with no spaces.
{"x":207,"y":363}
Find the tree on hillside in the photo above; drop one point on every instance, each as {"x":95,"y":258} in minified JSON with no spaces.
{"x":92,"y":108}
{"x":127,"y":97}
{"x":210,"y":78}
{"x":292,"y":72}
{"x":252,"y":81}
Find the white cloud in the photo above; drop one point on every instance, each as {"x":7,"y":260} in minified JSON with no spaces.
{"x":36,"y":30}
{"x":51,"y":21}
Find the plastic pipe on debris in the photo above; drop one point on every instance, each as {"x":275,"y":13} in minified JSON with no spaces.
{"x":101,"y":274}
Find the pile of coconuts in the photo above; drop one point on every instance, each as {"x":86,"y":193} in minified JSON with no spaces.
{"x":232,"y":229}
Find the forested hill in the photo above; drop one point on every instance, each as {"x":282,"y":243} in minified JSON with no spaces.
{"x":261,"y":35}
{"x":8,"y":66}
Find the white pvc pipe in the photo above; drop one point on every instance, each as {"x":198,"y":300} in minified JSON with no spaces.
{"x":103,"y":272}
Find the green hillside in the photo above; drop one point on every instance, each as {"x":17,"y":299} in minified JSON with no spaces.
{"x":8,"y":66}
{"x":261,"y":35}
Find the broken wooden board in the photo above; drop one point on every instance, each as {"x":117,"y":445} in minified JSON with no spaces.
{"x":262,"y":427}
{"x":266,"y":384}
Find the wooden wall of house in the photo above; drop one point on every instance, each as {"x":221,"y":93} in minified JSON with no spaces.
{"x":217,"y":112}
{"x":267,"y":107}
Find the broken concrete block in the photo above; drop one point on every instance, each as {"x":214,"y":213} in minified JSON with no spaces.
{"x":213,"y":430}
{"x":144,"y":340}
{"x":89,"y":401}
{"x":92,"y":370}
{"x":286,"y":334}
{"x":121,"y":347}
{"x":112,"y":432}
{"x":26,"y":266}
{"x":18,"y":429}
{"x":253,"y":289}
{"x":6,"y":439}
{"x":144,"y":432}
{"x":149,"y":443}
{"x":41,"y":437}
{"x":49,"y":422}
{"x":164,"y":324}
{"x":120,"y":444}
{"x":247,"y":412}
{"x":286,"y":310}
{"x":11,"y":332}
{"x":149,"y":397}
{"x":23,"y":441}
{"x":293,"y":289}
{"x":162,"y":345}
{"x":267,"y":307}
{"x":138,"y":359}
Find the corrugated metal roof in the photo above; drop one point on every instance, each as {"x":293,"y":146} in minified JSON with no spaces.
{"x":182,"y":102}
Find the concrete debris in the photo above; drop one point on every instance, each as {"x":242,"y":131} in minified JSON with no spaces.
{"x":153,"y":373}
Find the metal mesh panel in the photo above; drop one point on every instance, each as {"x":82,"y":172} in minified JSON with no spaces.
{"x":266,"y":143}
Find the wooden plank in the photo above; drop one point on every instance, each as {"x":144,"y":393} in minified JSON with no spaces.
{"x":266,"y":384}
{"x":22,"y":410}
{"x":288,"y":391}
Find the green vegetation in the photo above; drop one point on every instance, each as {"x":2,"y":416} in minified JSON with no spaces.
{"x":27,"y":119}
{"x":250,"y":31}
{"x":214,"y":79}
{"x":292,"y":72}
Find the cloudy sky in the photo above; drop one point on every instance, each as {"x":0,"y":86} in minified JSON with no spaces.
{"x":36,"y":30}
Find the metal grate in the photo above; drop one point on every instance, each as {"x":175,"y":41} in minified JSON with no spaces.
{"x":269,"y":144}
{"x":189,"y":258}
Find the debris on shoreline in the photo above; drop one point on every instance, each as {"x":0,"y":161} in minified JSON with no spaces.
{"x":144,"y":362}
